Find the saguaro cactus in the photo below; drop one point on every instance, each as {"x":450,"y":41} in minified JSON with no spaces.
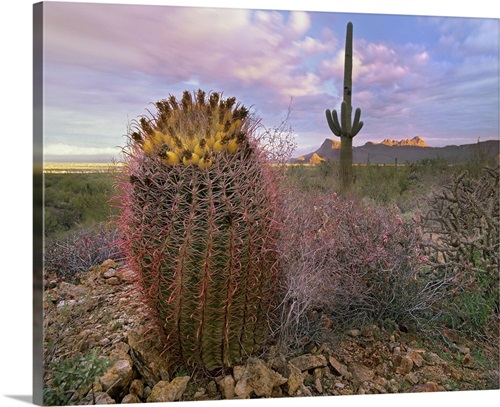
{"x":345,"y":129}
{"x":199,"y":226}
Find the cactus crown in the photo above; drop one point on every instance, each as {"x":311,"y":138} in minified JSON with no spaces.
{"x":194,"y":130}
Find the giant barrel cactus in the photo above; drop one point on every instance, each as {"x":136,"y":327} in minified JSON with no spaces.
{"x":199,"y":225}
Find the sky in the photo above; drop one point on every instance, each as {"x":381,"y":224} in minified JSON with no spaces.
{"x":436,"y":77}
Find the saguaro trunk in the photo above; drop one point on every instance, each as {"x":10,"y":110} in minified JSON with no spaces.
{"x":346,"y":173}
{"x":343,"y":128}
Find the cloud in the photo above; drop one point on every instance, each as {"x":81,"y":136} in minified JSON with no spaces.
{"x":60,"y":149}
{"x":466,"y":36}
{"x":188,"y":45}
{"x":101,"y":71}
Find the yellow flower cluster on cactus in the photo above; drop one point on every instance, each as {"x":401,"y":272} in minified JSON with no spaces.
{"x":194,"y":131}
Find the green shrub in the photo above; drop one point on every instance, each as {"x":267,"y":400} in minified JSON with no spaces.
{"x":73,"y":200}
{"x":72,"y":378}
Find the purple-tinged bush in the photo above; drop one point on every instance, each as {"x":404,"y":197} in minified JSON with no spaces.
{"x":80,"y":250}
{"x":353,"y":262}
{"x":199,"y":221}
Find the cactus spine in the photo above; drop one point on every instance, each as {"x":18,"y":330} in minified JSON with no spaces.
{"x":199,"y":227}
{"x":345,"y":129}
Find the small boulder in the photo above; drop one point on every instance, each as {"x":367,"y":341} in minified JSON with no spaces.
{"x":146,"y":354}
{"x":257,"y":378}
{"x":137,"y":388}
{"x":308,"y":362}
{"x":361,"y":373}
{"x":422,"y":388}
{"x":117,"y":377}
{"x":103,"y":398}
{"x":405,"y":365}
{"x":227,"y":384}
{"x":340,"y":368}
{"x":109,"y":273}
{"x":165,"y":391}
{"x":131,"y":399}
{"x":107,"y":264}
{"x":353,"y":332}
{"x":295,"y":382}
{"x":416,"y":356}
{"x":468,"y":361}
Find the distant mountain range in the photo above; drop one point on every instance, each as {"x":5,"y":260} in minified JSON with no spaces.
{"x":408,"y":150}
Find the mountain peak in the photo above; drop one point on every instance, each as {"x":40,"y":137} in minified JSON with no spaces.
{"x":415,"y":142}
{"x":330,"y":143}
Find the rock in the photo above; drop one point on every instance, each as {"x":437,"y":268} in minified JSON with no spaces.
{"x":117,"y":377}
{"x":131,"y":399}
{"x":201,"y":394}
{"x":147,"y":392}
{"x":318,"y":376}
{"x":452,"y":336}
{"x":422,"y":388}
{"x":277,"y":392}
{"x":327,"y":323}
{"x":137,"y":388}
{"x":468,"y":361}
{"x":340,"y":368}
{"x":123,"y":347}
{"x":393,"y":386}
{"x":68,"y":290}
{"x":111,"y":272}
{"x":452,"y":371}
{"x":295,"y":380}
{"x":405,"y":366}
{"x":308,"y":362}
{"x":101,"y":398}
{"x":227,"y":384}
{"x":118,"y":354}
{"x":212,"y":389}
{"x":416,"y":356}
{"x":113,"y":281}
{"x":353,"y":332}
{"x":146,"y":353}
{"x":462,"y":349}
{"x":380,"y":384}
{"x":279,"y":364}
{"x":411,"y":378}
{"x":432,"y":358}
{"x":295,"y":383}
{"x":107,"y":264}
{"x":165,"y":391}
{"x":361,"y":373}
{"x":126,"y":275}
{"x":367,"y":332}
{"x":256,"y":377}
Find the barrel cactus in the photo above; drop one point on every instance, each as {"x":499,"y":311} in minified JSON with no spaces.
{"x":199,"y":226}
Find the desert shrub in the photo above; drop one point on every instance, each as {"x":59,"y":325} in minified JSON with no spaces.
{"x":80,"y":250}
{"x":73,"y":377}
{"x":353,"y":262}
{"x":384,"y":184}
{"x":74,"y":199}
{"x":462,"y":240}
